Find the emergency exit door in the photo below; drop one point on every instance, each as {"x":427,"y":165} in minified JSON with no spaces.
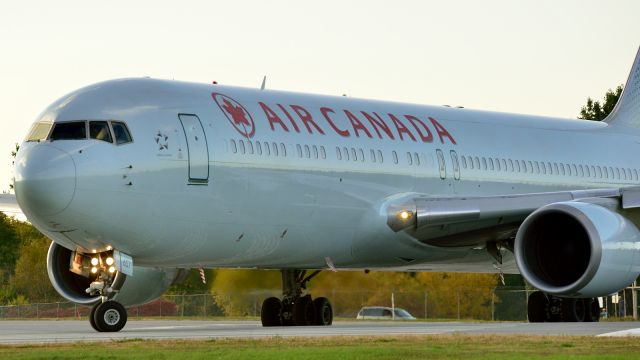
{"x":197,"y":149}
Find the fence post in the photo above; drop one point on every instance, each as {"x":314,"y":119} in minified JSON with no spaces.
{"x":493,"y":314}
{"x":182,"y":312}
{"x":425,"y":305}
{"x":204,"y":308}
{"x":37,"y":311}
{"x":458,"y":295}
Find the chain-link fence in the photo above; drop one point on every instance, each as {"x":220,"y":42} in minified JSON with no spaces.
{"x":500,"y":304}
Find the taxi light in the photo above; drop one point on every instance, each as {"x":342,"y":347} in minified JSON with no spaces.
{"x":94,"y":270}
{"x":94,"y":261}
{"x":112,"y":269}
{"x":109,"y":261}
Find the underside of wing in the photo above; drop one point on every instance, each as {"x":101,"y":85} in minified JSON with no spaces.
{"x":9,"y":205}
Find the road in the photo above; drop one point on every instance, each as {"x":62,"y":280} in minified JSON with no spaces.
{"x":47,"y":331}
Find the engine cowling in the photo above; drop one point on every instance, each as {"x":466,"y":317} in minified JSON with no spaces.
{"x":578,"y":249}
{"x":146,"y":284}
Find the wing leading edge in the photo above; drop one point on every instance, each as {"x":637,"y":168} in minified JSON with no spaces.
{"x":471,"y":221}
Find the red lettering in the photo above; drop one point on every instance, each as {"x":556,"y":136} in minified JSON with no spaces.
{"x":356,"y":124}
{"x":306,"y":118}
{"x":295,"y":126}
{"x":412,"y":119}
{"x":401,"y":128}
{"x":325,"y":112}
{"x":442,"y":132}
{"x":272,"y":117}
{"x":378,"y":124}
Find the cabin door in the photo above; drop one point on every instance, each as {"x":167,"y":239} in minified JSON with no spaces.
{"x":197,"y":149}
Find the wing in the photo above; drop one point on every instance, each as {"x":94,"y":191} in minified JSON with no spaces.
{"x":9,"y":205}
{"x":471,"y":221}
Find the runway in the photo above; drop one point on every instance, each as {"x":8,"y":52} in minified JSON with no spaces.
{"x":48,"y":331}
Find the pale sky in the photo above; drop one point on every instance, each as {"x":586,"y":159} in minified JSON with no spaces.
{"x":538,"y":57}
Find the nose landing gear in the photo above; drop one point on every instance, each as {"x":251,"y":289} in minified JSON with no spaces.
{"x":109,"y":316}
{"x":295,"y":308}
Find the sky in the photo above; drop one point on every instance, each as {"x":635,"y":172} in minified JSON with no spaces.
{"x":541,"y":57}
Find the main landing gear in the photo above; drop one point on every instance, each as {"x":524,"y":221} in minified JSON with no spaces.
{"x":296,"y":309}
{"x":543,"y":307}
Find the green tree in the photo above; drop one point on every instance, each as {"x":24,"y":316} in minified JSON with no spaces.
{"x":31,"y":279}
{"x":594,"y":110}
{"x":13,"y":155}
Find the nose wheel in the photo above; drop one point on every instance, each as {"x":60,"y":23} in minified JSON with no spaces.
{"x":296,"y":309}
{"x":109,"y":316}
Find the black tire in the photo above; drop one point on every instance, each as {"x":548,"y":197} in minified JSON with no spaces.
{"x":92,"y":320}
{"x":592,"y":310}
{"x":324,"y":311}
{"x":573,"y":310}
{"x":304,"y":313}
{"x":110,"y":316}
{"x":537,"y":307}
{"x":270,"y":312}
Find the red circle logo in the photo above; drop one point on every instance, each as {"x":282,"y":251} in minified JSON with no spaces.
{"x":237,"y":115}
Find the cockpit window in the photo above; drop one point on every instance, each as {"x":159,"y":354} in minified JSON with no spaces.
{"x":75,"y":130}
{"x":121,"y":133}
{"x":99,"y":130}
{"x":39,"y":131}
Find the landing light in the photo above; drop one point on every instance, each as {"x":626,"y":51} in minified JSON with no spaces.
{"x":112,"y":269}
{"x":109,"y":261}
{"x":94,"y":270}
{"x":405,"y":215}
{"x":94,"y":261}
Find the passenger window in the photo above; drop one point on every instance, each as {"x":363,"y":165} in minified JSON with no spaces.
{"x":250,"y":147}
{"x":258,"y":148}
{"x":491,"y":167}
{"x":267,"y":150}
{"x":511,"y":165}
{"x":242,"y":149}
{"x":574,"y":169}
{"x":307,"y":152}
{"x":543,"y":168}
{"x":121,"y":133}
{"x":323,"y":153}
{"x":635,"y":175}
{"x":299,"y":148}
{"x":380,"y":158}
{"x":338,"y":154}
{"x":536,"y":165}
{"x":234,"y":147}
{"x":76,"y":130}
{"x":464,"y":162}
{"x":315,"y":151}
{"x":354,"y":156}
{"x":456,"y":165}
{"x":523,"y":166}
{"x":599,"y":169}
{"x":517,"y":166}
{"x":555,"y":167}
{"x":484,"y":163}
{"x":99,"y":130}
{"x":504,"y":164}
{"x":274,"y":149}
{"x":442,"y":167}
{"x":345,"y":153}
{"x":372,"y":155}
{"x":283,"y":149}
{"x":497,"y":161}
{"x":581,"y":169}
{"x":395,"y":157}
{"x":361,"y":154}
{"x":477,"y":162}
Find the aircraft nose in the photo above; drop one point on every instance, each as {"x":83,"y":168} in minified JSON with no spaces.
{"x":45,"y":180}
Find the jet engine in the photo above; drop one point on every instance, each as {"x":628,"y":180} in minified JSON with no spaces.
{"x":578,"y":249}
{"x":71,"y":275}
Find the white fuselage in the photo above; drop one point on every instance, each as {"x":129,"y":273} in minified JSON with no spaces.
{"x":172,"y":198}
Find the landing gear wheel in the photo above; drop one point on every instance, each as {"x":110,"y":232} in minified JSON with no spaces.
{"x":270,"y":312}
{"x":304,"y":313}
{"x":592,"y":310}
{"x":110,"y":316}
{"x":92,"y":321}
{"x":537,"y":307}
{"x":573,"y":310}
{"x":324,"y":311}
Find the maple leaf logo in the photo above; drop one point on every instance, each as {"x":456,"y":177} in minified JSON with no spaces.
{"x":236,"y":112}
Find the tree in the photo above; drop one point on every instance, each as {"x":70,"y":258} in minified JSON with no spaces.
{"x":13,"y":155}
{"x":596,"y":111}
{"x":31,"y":279}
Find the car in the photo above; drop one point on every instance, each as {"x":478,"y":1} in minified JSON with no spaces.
{"x":383,"y":313}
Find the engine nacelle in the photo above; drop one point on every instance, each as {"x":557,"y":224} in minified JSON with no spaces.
{"x":146,"y":284}
{"x":578,"y":249}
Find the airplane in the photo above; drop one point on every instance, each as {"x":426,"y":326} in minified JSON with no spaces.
{"x":137,"y":180}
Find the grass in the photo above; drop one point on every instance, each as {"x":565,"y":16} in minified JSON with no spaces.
{"x":370,"y":348}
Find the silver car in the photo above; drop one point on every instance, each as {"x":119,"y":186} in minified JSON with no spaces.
{"x":383,"y":313}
